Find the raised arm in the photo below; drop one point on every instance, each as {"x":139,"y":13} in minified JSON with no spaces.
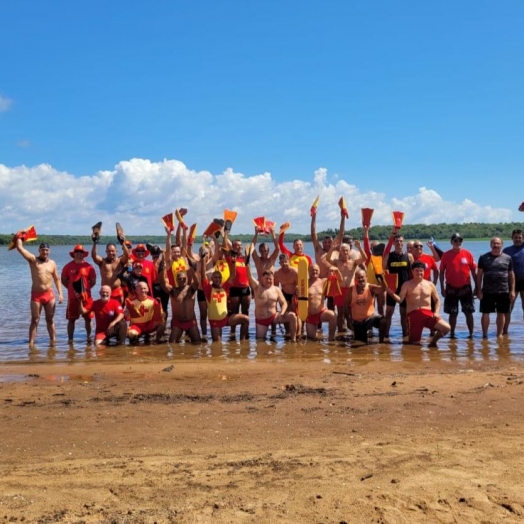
{"x":276,"y":251}
{"x":26,"y":254}
{"x":168,"y":246}
{"x":314,"y":237}
{"x":252,"y":282}
{"x":363,"y":257}
{"x":97,"y":259}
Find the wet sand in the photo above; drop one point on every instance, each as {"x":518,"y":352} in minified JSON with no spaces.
{"x":253,"y":441}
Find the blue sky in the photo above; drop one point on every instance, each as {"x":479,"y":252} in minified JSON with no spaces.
{"x":127,"y":109}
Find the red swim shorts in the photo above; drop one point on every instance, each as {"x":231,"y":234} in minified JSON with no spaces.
{"x":315,"y":319}
{"x":340,"y":300}
{"x":143,"y":328}
{"x":265,"y":321}
{"x":184,"y":326}
{"x":73,"y":310}
{"x":219,"y":323}
{"x":418,"y":320}
{"x":42,"y":297}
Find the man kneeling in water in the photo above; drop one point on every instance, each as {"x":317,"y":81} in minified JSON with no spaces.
{"x":418,"y":293}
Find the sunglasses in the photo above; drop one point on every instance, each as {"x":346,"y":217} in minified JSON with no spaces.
{"x":457,"y":241}
{"x":417,"y":245}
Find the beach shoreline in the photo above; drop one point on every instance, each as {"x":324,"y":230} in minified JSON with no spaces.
{"x":253,"y":441}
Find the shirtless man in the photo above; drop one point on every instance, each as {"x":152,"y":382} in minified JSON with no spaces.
{"x":43,"y":273}
{"x":264,"y":261}
{"x":321,"y":251}
{"x":183,"y":307}
{"x":217,"y":299}
{"x":110,"y":267}
{"x":362,"y":308}
{"x":317,"y":313}
{"x":347,"y":267}
{"x":267,"y":296}
{"x":419,"y":293}
{"x":287,"y":278}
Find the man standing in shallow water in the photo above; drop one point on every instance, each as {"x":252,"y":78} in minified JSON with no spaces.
{"x":43,"y":273}
{"x":495,"y":286}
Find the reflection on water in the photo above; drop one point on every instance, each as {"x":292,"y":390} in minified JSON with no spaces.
{"x":14,"y":293}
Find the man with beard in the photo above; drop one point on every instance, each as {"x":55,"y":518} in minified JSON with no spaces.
{"x":109,"y":317}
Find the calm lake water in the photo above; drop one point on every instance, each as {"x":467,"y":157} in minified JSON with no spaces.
{"x":15,"y":288}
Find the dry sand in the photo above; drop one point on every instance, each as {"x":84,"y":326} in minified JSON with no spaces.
{"x":263,"y":442}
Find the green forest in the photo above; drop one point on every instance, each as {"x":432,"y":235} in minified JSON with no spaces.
{"x":442,"y":231}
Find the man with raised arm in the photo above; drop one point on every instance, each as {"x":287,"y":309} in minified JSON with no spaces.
{"x":264,"y":261}
{"x":419,"y":295}
{"x":217,"y":310}
{"x":183,"y":306}
{"x":267,"y":296}
{"x":317,"y":313}
{"x":111,"y":266}
{"x":43,"y":273}
{"x":346,"y":267}
{"x":321,"y":251}
{"x":398,"y":263}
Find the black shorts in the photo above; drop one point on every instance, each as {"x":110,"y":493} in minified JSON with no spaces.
{"x":393,"y":303}
{"x":239,"y":292}
{"x":160,"y":294}
{"x":492,"y":302}
{"x":454,"y":295}
{"x":519,"y":286}
{"x":361,"y":328}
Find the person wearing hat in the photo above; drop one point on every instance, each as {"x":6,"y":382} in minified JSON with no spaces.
{"x":43,"y":273}
{"x":457,"y":268}
{"x":140,"y":254}
{"x":81,"y":275}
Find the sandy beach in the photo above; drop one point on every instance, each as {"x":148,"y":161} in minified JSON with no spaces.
{"x":262,"y":442}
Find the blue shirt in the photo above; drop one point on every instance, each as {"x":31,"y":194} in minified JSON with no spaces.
{"x":517,"y":255}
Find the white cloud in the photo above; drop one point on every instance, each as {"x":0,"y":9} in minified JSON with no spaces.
{"x":23,"y":143}
{"x":138,"y":192}
{"x":5,"y":104}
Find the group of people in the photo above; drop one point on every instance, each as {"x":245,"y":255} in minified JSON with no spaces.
{"x":353,"y":287}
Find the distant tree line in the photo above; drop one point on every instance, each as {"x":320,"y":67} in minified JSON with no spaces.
{"x":473,"y":230}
